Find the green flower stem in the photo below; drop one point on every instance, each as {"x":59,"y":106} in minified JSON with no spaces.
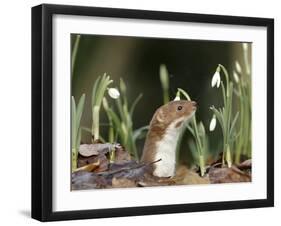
{"x":76,"y":114}
{"x":243,"y":142}
{"x":194,"y":123}
{"x":228,"y":157}
{"x":122,"y":122}
{"x":226,"y":78}
{"x":166,"y":97}
{"x":247,"y":138}
{"x":202,"y":165}
{"x":121,"y":110}
{"x":95,"y":126}
{"x":227,"y":116}
{"x":110,"y":121}
{"x":246,"y":60}
{"x":198,"y":142}
{"x":224,"y":116}
{"x":74,"y":52}
{"x":110,"y":131}
{"x":74,"y":159}
{"x":98,"y":91}
{"x":239,"y":143}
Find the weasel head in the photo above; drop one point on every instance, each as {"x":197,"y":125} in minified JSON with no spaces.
{"x":174,"y":113}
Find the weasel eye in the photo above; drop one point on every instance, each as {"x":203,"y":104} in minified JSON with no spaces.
{"x":179,"y":108}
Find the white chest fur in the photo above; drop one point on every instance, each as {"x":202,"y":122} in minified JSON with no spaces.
{"x":166,"y":151}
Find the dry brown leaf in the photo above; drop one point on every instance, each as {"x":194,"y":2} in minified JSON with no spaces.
{"x":247,"y":164}
{"x":103,"y":162}
{"x":88,"y":180}
{"x":121,"y":154}
{"x":187,"y":176}
{"x":128,"y":169}
{"x":90,"y":167}
{"x":126,"y":172}
{"x":87,"y":150}
{"x":122,"y":183}
{"x":228,"y":175}
{"x":150,"y":181}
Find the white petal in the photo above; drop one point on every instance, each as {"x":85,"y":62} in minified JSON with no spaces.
{"x":215,"y":78}
{"x":213,"y":124}
{"x":177,"y":98}
{"x":238,"y":67}
{"x":218,"y":82}
{"x":113,"y":93}
{"x":236,"y":77}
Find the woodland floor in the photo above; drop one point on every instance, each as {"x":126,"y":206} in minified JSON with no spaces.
{"x":96,"y":171}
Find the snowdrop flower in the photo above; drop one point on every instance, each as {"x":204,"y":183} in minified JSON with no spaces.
{"x":216,"y":80}
{"x":113,"y":93}
{"x":236,"y":77}
{"x":213,"y":123}
{"x":238,"y":67}
{"x":177,"y":96}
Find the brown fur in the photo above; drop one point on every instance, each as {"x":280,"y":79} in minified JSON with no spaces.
{"x":161,"y":119}
{"x":179,"y":124}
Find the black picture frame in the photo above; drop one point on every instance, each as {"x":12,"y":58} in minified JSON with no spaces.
{"x":42,"y":108}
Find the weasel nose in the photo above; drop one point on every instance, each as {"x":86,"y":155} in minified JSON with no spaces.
{"x":194,"y":103}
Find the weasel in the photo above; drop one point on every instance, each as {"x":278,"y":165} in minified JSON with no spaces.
{"x":163,"y":134}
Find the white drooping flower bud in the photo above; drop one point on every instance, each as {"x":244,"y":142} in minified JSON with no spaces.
{"x":216,"y":80}
{"x":113,"y":93}
{"x":238,"y":67}
{"x":236,"y":77}
{"x":213,"y":123}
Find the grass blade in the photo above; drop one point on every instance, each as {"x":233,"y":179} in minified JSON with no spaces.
{"x":79,"y":110}
{"x":233,"y":124}
{"x":94,"y":91}
{"x":73,"y":122}
{"x":136,"y":101}
{"x":140,"y":132}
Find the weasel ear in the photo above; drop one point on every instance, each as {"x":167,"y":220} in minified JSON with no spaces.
{"x":160,"y":116}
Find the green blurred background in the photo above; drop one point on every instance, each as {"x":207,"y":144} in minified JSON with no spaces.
{"x":191,"y":65}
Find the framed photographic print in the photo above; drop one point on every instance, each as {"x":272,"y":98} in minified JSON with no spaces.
{"x":145,"y":112}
